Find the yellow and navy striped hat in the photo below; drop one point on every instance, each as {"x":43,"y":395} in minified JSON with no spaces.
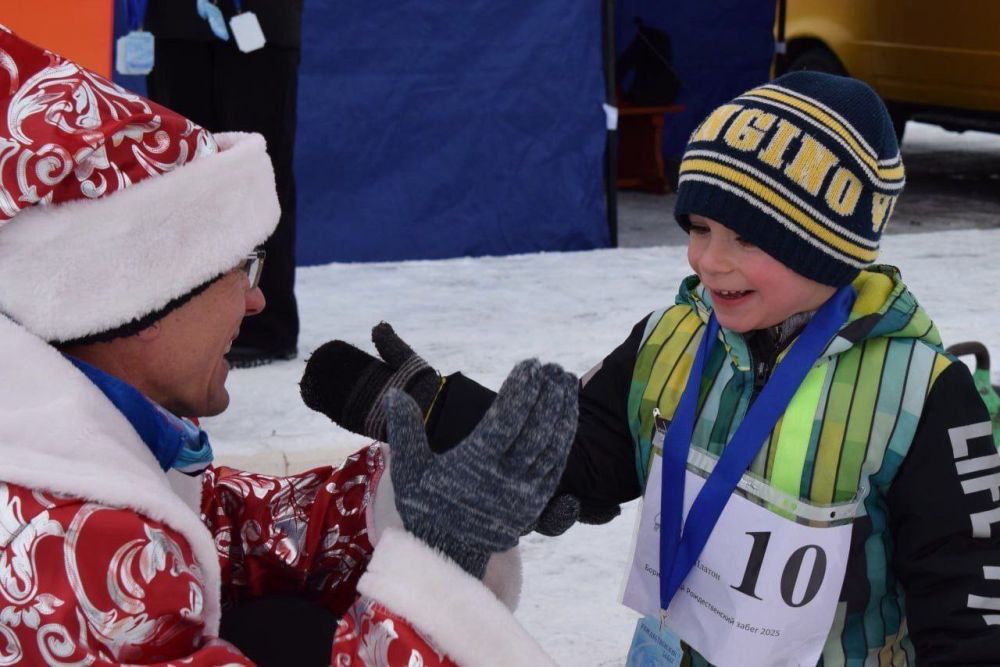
{"x":806,"y":167}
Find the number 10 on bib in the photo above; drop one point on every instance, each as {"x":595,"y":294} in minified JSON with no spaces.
{"x":764,"y":591}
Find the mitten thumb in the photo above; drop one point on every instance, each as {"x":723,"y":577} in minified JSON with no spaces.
{"x":393,"y":350}
{"x":411,"y":454}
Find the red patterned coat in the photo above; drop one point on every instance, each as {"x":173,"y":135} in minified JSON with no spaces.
{"x":104,"y":560}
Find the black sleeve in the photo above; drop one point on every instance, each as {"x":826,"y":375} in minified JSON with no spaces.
{"x":601,"y":464}
{"x":457,"y":409}
{"x":944,"y":515}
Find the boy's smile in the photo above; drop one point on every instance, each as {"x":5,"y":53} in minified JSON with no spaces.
{"x":750,"y":289}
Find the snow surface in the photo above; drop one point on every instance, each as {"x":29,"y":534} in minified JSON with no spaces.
{"x":481,"y":316}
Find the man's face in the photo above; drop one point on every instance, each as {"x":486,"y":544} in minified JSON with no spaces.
{"x":190,"y":374}
{"x":750,"y":289}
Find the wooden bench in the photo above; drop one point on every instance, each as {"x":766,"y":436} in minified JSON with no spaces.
{"x":640,"y":154}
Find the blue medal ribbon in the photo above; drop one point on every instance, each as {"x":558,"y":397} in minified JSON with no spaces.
{"x":679,"y":549}
{"x":135,"y":13}
{"x":216,"y":21}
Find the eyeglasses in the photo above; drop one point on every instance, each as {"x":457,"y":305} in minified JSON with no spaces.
{"x":253,"y":266}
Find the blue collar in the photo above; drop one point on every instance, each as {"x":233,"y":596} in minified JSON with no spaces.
{"x":175,"y":442}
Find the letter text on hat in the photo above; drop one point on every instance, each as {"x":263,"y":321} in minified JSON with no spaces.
{"x":882,"y":206}
{"x":844,"y":192}
{"x":710,"y":128}
{"x":811,"y":164}
{"x":775,"y":150}
{"x":744,"y":133}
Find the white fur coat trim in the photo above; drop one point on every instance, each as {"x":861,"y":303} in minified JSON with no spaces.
{"x":59,"y":433}
{"x":447,"y":605}
{"x":503,"y":570}
{"x":82,"y":267}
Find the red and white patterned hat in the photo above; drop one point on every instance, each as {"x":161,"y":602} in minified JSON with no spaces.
{"x":111,"y":206}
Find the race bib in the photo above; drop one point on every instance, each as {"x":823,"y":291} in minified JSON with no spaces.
{"x":246,"y":31}
{"x":764,"y":590}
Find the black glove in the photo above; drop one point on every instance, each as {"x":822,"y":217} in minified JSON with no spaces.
{"x":565,"y":509}
{"x":480,"y":496}
{"x":348,"y":385}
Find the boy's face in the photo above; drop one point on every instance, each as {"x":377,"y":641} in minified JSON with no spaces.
{"x":750,"y":289}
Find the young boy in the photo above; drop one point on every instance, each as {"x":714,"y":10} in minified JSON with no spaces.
{"x":831,"y":487}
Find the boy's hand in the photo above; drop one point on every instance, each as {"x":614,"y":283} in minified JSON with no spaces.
{"x":348,"y":385}
{"x":481,"y":496}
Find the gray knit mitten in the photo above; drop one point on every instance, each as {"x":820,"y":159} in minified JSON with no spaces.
{"x":348,"y":385}
{"x":479,"y":497}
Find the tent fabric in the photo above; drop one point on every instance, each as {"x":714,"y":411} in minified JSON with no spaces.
{"x":431,"y":130}
{"x":720,"y":49}
{"x":136,"y":84}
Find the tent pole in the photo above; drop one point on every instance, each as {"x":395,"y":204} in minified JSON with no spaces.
{"x":611,"y":141}
{"x":780,"y":48}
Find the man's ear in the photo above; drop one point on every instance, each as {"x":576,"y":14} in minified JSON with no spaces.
{"x":150,"y":333}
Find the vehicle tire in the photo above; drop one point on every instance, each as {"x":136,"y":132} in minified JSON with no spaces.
{"x":817,"y":59}
{"x":899,"y":114}
{"x":822,"y":59}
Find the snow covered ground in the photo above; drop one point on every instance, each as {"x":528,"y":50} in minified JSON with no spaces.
{"x":482,"y":315}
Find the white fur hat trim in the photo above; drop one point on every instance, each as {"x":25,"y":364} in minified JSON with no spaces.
{"x":86,"y":266}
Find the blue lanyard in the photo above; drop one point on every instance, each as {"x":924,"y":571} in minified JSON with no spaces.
{"x":679,"y":550}
{"x":135,"y":13}
{"x":238,"y":6}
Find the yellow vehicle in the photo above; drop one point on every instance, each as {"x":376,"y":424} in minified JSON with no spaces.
{"x":929,"y":60}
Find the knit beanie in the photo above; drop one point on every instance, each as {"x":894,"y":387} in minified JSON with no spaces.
{"x":113,"y":208}
{"x":806,"y":167}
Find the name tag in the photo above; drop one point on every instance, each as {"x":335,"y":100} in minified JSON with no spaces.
{"x":654,"y":644}
{"x":246,"y":31}
{"x":134,"y":53}
{"x":765,"y":588}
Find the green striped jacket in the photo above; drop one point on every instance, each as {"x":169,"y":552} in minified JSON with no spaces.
{"x":844,"y":436}
{"x":884,"y":417}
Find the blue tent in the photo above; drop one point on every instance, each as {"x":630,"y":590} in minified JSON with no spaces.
{"x":720,"y":49}
{"x":434,"y":130}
